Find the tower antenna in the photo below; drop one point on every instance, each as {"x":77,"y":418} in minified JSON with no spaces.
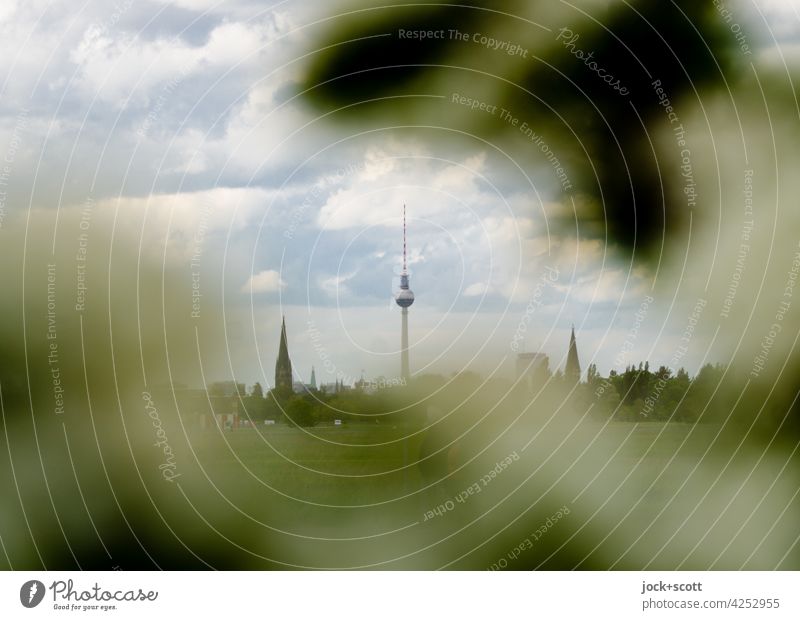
{"x":405,"y":270}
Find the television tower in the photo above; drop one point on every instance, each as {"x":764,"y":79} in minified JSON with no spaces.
{"x":404,"y":298}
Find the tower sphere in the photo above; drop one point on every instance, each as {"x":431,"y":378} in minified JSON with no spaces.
{"x":404,"y":297}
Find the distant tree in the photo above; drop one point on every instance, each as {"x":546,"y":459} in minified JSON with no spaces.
{"x":638,"y":393}
{"x":592,"y":376}
{"x":273,"y":407}
{"x":703,"y":396}
{"x":709,"y":376}
{"x":609,"y":399}
{"x":255,"y":406}
{"x":425,"y":385}
{"x":300,"y":411}
{"x":663,"y":372}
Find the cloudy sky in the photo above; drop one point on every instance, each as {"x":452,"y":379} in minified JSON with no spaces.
{"x":191,"y":111}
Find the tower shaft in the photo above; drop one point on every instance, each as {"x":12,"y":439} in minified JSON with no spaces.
{"x":404,"y":368}
{"x":404,"y":298}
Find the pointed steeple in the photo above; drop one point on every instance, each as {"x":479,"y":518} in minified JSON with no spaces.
{"x":283,"y":365}
{"x":572,"y":371}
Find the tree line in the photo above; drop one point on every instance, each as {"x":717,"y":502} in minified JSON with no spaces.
{"x":636,"y":394}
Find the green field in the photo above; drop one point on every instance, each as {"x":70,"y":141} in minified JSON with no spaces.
{"x":355,"y":495}
{"x":350,"y":465}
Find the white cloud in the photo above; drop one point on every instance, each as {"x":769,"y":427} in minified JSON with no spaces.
{"x":336,"y":286}
{"x":476,"y":289}
{"x":405,"y":174}
{"x":119,"y":67}
{"x":7,"y":9}
{"x":785,"y":7}
{"x":267,"y":281}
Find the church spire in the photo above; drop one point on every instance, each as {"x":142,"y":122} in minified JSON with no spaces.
{"x":283,"y":365}
{"x":572,"y":371}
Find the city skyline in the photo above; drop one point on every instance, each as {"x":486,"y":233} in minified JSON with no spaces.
{"x":524,"y":363}
{"x":246,"y":200}
{"x":218,"y":352}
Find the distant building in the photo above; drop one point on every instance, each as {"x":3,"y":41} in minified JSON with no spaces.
{"x":217,"y":406}
{"x":362,"y":385}
{"x":572,"y":371}
{"x":226,"y":389}
{"x":371,"y":386}
{"x":334,"y":388}
{"x":298,"y":387}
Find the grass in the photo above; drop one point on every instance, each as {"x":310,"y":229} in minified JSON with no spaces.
{"x":358,"y":489}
